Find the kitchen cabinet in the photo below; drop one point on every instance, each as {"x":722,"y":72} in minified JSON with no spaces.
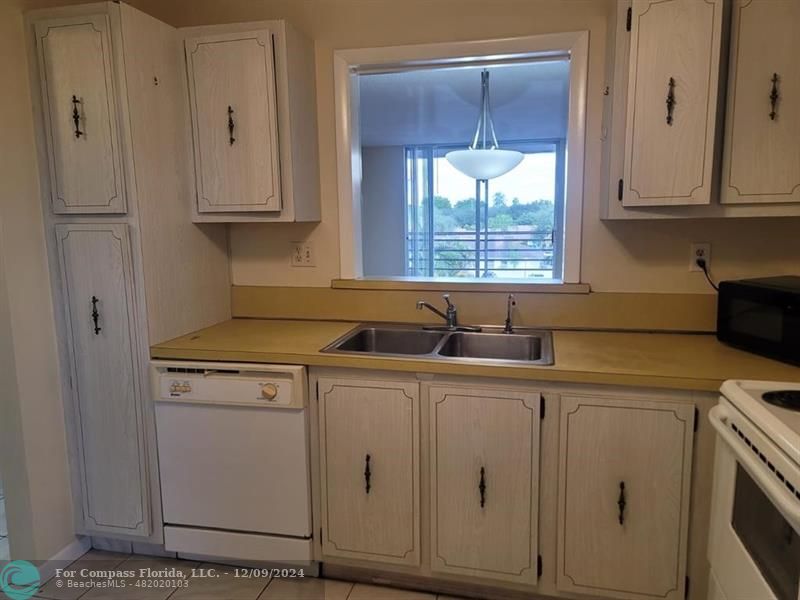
{"x":369,"y":468}
{"x":762,"y":157}
{"x":484,"y":471}
{"x":80,"y":115}
{"x":234,"y":118}
{"x":252,"y":102}
{"x":624,"y":478}
{"x":124,"y":67}
{"x":97,"y":282}
{"x":672,"y":98}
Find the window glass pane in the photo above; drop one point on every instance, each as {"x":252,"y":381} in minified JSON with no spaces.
{"x":510,"y":227}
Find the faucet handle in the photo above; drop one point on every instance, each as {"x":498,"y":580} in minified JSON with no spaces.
{"x":447,"y":299}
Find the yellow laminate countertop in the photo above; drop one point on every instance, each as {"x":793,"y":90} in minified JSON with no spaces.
{"x":676,"y":361}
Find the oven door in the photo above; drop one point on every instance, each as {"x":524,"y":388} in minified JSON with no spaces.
{"x":754,"y":544}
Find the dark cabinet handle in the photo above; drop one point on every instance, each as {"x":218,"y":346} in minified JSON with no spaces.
{"x":367,"y":474}
{"x":76,"y":116}
{"x":95,"y":315}
{"x":774,"y":96}
{"x":482,"y":487}
{"x":231,"y":125}
{"x":670,"y":100}
{"x":621,"y":503}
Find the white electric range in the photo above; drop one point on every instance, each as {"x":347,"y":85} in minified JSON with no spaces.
{"x":754,"y":540}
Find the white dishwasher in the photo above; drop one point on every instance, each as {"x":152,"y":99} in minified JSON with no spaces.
{"x":233,"y":459}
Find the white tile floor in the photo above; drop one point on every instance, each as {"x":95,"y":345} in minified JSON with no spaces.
{"x":225,"y":587}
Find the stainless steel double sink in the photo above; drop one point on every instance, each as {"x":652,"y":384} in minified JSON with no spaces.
{"x":533,"y":347}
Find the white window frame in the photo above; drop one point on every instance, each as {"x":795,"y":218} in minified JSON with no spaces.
{"x":348,"y":63}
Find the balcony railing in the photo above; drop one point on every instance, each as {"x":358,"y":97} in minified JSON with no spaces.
{"x":508,"y":253}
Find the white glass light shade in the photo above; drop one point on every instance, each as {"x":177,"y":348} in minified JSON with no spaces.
{"x":484,"y":163}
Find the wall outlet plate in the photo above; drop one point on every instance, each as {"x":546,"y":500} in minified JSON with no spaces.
{"x":699,"y":250}
{"x":303,"y":254}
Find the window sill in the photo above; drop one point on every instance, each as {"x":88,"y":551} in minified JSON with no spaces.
{"x":460,"y":284}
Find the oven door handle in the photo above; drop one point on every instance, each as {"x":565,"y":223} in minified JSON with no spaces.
{"x":778,"y":494}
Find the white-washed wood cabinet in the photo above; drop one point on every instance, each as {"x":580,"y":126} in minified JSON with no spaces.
{"x":672,"y":97}
{"x":80,"y":115}
{"x":125,"y":70}
{"x":762,"y":156}
{"x":624,"y":478}
{"x":369,"y":469}
{"x":98,"y":288}
{"x":484,"y":472}
{"x":251,"y":94}
{"x":234,"y":119}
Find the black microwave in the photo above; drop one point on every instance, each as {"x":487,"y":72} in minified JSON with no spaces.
{"x":761,"y":316}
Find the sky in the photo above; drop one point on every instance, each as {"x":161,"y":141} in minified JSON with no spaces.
{"x":533,"y":179}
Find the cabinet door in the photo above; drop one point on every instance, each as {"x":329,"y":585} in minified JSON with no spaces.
{"x":762,"y":154}
{"x":625,"y":468}
{"x":234,"y":118}
{"x":369,"y":440}
{"x":80,"y":115}
{"x":672,"y":102}
{"x":484,"y":483}
{"x":97,"y":292}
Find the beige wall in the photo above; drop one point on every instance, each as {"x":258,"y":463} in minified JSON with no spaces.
{"x":33,"y":451}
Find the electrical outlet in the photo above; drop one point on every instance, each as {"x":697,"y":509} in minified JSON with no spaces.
{"x":699,"y":250}
{"x":303,"y":254}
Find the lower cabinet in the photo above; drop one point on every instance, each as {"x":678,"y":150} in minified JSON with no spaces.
{"x":369,"y":468}
{"x":624,"y":477}
{"x":613,"y":490}
{"x":484,"y":469}
{"x":484,"y":466}
{"x":97,"y":289}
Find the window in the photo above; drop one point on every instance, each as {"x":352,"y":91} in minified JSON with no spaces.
{"x":407,"y":212}
{"x":510,"y":232}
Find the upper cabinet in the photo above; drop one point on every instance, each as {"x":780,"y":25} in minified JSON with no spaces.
{"x":234,"y":119}
{"x":252,"y":101}
{"x":762,"y":154}
{"x":80,"y":115}
{"x":672,"y":107}
{"x":666,"y":152}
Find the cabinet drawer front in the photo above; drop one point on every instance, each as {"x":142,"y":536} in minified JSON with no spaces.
{"x":369,"y":440}
{"x":80,"y":115}
{"x":669,"y":150}
{"x":624,"y":497}
{"x":484,"y":483}
{"x":234,"y":118}
{"x":97,"y":287}
{"x":762,"y":156}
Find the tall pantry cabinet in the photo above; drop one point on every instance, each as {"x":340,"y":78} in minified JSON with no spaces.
{"x":128,"y":268}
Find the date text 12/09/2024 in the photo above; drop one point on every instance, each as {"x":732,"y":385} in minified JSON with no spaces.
{"x":173,"y":573}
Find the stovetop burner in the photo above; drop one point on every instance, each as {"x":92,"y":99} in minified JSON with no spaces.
{"x":789,"y":399}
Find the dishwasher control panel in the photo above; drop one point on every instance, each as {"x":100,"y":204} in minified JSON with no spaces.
{"x":228,"y":386}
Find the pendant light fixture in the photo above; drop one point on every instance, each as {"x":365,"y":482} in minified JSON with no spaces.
{"x":482,"y":161}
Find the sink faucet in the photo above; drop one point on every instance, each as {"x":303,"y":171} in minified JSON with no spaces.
{"x":450,"y":317}
{"x":510,"y":303}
